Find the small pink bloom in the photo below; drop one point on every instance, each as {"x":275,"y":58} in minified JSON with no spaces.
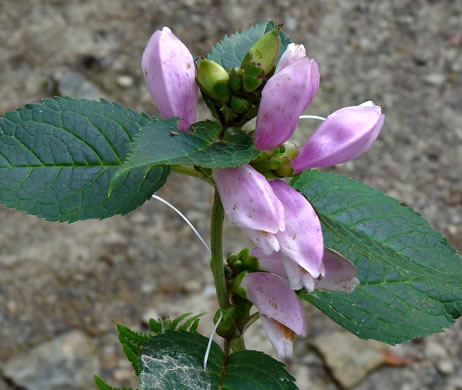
{"x":170,"y":73}
{"x":280,"y":309}
{"x":301,"y":241}
{"x":285,"y":96}
{"x":250,"y":203}
{"x":344,"y":135}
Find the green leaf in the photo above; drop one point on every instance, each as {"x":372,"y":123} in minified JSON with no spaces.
{"x":160,"y":143}
{"x":232,"y":49}
{"x":411,"y":278}
{"x":174,"y":361}
{"x":57,"y":159}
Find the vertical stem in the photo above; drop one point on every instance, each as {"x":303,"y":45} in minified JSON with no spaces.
{"x":216,"y":233}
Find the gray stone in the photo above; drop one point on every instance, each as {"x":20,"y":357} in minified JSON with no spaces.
{"x":67,"y":362}
{"x":76,"y":85}
{"x":349,"y":357}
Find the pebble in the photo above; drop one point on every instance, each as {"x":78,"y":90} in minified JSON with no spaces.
{"x":349,"y":357}
{"x":125,"y":81}
{"x":68,"y":361}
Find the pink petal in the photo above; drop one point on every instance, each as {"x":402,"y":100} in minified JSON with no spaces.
{"x":340,"y":273}
{"x":281,"y":337}
{"x":268,"y":242}
{"x":293,"y":53}
{"x":270,"y":263}
{"x":170,"y":73}
{"x":284,"y":97}
{"x":344,"y":135}
{"x":302,"y":239}
{"x":248,"y":199}
{"x":274,"y":299}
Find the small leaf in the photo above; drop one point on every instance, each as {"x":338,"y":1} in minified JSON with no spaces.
{"x":232,"y":49}
{"x":155,"y":326}
{"x":156,"y":145}
{"x":57,"y":159}
{"x":192,"y":320}
{"x":411,"y":278}
{"x":176,"y":321}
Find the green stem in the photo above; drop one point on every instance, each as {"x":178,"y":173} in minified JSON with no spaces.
{"x":216,"y":238}
{"x":189,"y":172}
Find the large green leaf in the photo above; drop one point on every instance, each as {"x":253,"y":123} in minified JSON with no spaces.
{"x":161,"y":143}
{"x":411,"y":278}
{"x":57,"y":159}
{"x":174,"y":361}
{"x":232,"y":49}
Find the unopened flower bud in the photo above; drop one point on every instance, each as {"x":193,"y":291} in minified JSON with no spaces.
{"x":170,"y":73}
{"x":214,"y":81}
{"x":227,"y":326}
{"x":239,"y":105}
{"x":265,"y":51}
{"x":235,"y":78}
{"x":344,"y":135}
{"x":285,"y":96}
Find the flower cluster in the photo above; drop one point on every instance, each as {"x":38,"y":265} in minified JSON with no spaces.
{"x":280,"y":221}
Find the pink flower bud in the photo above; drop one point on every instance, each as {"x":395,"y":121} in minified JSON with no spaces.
{"x":285,"y":96}
{"x":301,"y":241}
{"x":344,"y":135}
{"x":169,"y":70}
{"x":250,"y":203}
{"x":280,"y":309}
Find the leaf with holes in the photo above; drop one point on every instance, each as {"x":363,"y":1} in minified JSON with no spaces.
{"x":160,"y":143}
{"x":57,"y":159}
{"x":411,"y":278}
{"x":174,"y":361}
{"x":232,"y":49}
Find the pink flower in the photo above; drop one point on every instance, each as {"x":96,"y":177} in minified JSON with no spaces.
{"x":285,"y":96}
{"x":339,"y":273}
{"x":301,"y":241}
{"x":280,"y":309}
{"x":344,"y":135}
{"x":250,"y":203}
{"x":170,"y":73}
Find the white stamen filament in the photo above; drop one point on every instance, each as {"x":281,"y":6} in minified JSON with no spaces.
{"x":185,"y":219}
{"x":321,"y":118}
{"x":209,"y":345}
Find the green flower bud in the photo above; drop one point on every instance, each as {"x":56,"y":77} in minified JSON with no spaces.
{"x":236,"y":287}
{"x":251,"y":83}
{"x":227,"y":326}
{"x":235,"y":78}
{"x":285,"y":169}
{"x":214,"y":81}
{"x":251,"y":263}
{"x":265,"y":51}
{"x":275,"y":163}
{"x":239,"y":105}
{"x":244,"y":254}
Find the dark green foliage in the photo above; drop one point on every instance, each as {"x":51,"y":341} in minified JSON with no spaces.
{"x":410,"y":276}
{"x":57,"y":159}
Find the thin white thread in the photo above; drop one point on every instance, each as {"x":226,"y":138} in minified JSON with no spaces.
{"x":184,"y":218}
{"x":321,"y":118}
{"x":209,"y":345}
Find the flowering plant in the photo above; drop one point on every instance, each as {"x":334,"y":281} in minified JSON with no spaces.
{"x":372,"y":265}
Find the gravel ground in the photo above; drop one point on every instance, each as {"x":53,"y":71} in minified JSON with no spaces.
{"x":68,"y":285}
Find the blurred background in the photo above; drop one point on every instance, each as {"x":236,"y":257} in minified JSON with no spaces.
{"x":64,"y":287}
